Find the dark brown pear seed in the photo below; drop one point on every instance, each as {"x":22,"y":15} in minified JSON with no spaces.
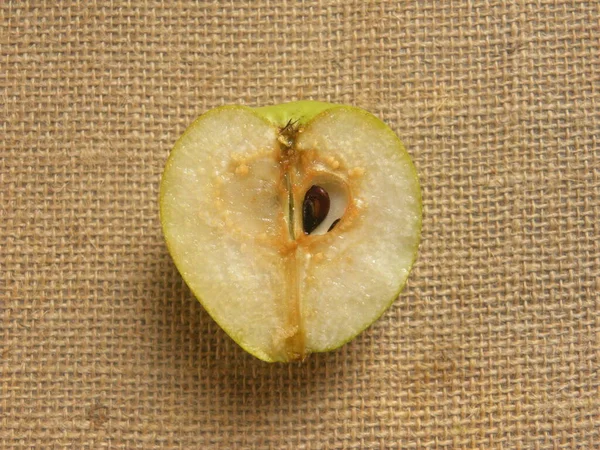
{"x":332,"y":226}
{"x":314,"y":208}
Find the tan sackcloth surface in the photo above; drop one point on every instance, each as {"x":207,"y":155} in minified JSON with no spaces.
{"x":495,"y":343}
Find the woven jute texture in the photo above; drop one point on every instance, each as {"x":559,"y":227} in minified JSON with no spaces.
{"x":494,"y":344}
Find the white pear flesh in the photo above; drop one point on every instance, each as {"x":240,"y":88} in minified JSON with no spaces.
{"x":364,"y":266}
{"x":225,"y":210}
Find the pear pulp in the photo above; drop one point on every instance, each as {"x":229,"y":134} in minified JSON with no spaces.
{"x":232,"y":200}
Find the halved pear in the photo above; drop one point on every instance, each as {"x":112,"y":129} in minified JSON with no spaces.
{"x":234,"y":201}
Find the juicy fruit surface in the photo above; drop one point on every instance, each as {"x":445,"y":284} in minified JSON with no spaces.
{"x":232,"y":200}
{"x":367,"y":260}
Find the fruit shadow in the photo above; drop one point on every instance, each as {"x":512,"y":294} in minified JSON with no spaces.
{"x":210,"y":366}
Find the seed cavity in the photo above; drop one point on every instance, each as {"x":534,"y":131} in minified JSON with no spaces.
{"x":314,"y":208}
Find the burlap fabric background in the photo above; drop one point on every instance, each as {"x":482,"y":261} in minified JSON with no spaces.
{"x":494,"y":344}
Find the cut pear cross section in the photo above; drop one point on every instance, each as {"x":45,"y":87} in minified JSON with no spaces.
{"x":296,"y":226}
